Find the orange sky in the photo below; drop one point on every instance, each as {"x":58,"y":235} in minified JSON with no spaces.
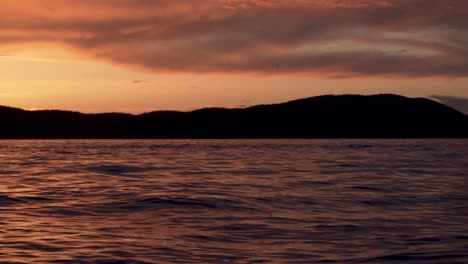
{"x":141,"y":55}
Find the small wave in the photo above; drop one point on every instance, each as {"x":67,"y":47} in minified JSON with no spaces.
{"x":239,"y":227}
{"x":193,"y":203}
{"x":312,"y":183}
{"x":420,"y":257}
{"x":118,"y":169}
{"x":152,"y":203}
{"x":344,"y":227}
{"x":7,"y":200}
{"x":348,"y":165}
{"x":64,"y":152}
{"x":35,"y":199}
{"x":79,"y":260}
{"x":461,"y":237}
{"x":366,"y":188}
{"x":424,"y":240}
{"x":361,"y":146}
{"x":378,"y":202}
{"x":250,"y":172}
{"x":214,"y":239}
{"x":39,"y":247}
{"x":67,"y":212}
{"x":7,"y":172}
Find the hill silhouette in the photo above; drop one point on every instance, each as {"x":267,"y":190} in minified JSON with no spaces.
{"x":345,"y":116}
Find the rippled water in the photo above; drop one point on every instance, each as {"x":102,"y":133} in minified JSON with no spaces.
{"x":234,"y":201}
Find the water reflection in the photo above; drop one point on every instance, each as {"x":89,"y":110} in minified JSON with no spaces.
{"x":273,"y":201}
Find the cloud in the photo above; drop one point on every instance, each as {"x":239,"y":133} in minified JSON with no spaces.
{"x":459,"y":103}
{"x":140,"y":81}
{"x":335,"y":38}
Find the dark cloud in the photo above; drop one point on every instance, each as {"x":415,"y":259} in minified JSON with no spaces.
{"x":459,"y":103}
{"x":411,"y":38}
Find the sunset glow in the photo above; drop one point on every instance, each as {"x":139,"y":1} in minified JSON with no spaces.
{"x":137,"y":56}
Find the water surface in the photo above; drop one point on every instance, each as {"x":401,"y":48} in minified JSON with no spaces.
{"x":234,"y":201}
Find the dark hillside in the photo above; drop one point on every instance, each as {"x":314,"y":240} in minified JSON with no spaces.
{"x":347,"y":116}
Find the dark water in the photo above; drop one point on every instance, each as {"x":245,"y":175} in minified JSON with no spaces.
{"x":234,"y":201}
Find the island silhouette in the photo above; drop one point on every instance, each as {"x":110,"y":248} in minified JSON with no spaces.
{"x":328,"y":116}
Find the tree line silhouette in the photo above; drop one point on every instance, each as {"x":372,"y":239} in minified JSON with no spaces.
{"x":345,"y":116}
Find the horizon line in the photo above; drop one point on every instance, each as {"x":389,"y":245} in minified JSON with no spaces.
{"x":33,"y":109}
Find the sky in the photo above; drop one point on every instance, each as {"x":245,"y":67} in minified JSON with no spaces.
{"x":142,"y":55}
